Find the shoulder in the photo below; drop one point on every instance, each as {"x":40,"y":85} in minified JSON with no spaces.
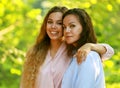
{"x":93,"y":54}
{"x":92,"y":58}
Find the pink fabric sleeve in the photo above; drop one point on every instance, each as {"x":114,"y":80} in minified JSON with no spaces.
{"x":109,"y":53}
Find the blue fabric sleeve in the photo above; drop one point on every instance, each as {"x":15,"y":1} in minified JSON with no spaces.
{"x":89,"y":72}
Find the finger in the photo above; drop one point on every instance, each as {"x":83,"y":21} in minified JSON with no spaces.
{"x":79,"y":61}
{"x":79,"y":58}
{"x":85,"y":56}
{"x":75,"y":55}
{"x":79,"y":50}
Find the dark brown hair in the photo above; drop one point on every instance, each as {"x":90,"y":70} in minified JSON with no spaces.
{"x":88,"y":34}
{"x":36,"y":55}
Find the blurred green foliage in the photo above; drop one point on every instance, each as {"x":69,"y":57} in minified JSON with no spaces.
{"x":20,"y":21}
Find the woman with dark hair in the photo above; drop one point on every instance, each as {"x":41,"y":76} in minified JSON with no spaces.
{"x":78,"y":30}
{"x":47,"y":60}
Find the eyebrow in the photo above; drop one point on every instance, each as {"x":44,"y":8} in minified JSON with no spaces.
{"x":52,"y":19}
{"x":70,"y":23}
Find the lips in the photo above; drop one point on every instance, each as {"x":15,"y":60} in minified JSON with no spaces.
{"x":67,"y":37}
{"x":54,"y":32}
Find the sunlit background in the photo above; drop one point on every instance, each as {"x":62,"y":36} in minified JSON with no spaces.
{"x":20,"y":21}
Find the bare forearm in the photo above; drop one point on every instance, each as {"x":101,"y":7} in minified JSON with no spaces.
{"x":98,"y":48}
{"x":104,"y":50}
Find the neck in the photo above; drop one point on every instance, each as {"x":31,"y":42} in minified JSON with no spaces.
{"x":54,"y":47}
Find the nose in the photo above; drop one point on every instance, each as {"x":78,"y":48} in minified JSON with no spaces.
{"x":67,"y":29}
{"x":53,"y":25}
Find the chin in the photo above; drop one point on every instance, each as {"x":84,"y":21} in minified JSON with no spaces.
{"x":68,"y":42}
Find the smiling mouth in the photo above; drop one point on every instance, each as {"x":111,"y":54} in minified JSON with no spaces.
{"x":54,"y":33}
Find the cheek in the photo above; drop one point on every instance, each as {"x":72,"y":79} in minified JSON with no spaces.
{"x":61,"y":30}
{"x":78,"y":33}
{"x":61,"y":33}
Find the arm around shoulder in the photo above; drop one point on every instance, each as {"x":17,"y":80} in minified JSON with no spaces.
{"x":105,"y":50}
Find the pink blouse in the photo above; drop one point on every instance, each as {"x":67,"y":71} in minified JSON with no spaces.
{"x":51,"y":73}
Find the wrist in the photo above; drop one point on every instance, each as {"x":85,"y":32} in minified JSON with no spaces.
{"x":91,"y":46}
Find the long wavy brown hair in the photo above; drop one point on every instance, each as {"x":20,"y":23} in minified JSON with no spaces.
{"x":36,"y":55}
{"x":87,"y":35}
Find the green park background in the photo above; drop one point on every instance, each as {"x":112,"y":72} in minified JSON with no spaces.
{"x":20,"y":21}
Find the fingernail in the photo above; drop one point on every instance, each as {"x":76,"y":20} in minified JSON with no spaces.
{"x":74,"y":55}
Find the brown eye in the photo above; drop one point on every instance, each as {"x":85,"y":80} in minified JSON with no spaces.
{"x":49,"y":22}
{"x":72,"y":26}
{"x":60,"y":23}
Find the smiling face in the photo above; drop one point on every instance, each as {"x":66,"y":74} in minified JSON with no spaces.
{"x":54,"y":25}
{"x":72,"y":29}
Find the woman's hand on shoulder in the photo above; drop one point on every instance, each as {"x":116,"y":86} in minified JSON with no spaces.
{"x":82,"y":52}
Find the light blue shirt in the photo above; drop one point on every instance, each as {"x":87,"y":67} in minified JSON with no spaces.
{"x":89,"y":74}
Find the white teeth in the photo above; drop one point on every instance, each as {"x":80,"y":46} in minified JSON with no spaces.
{"x":53,"y":32}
